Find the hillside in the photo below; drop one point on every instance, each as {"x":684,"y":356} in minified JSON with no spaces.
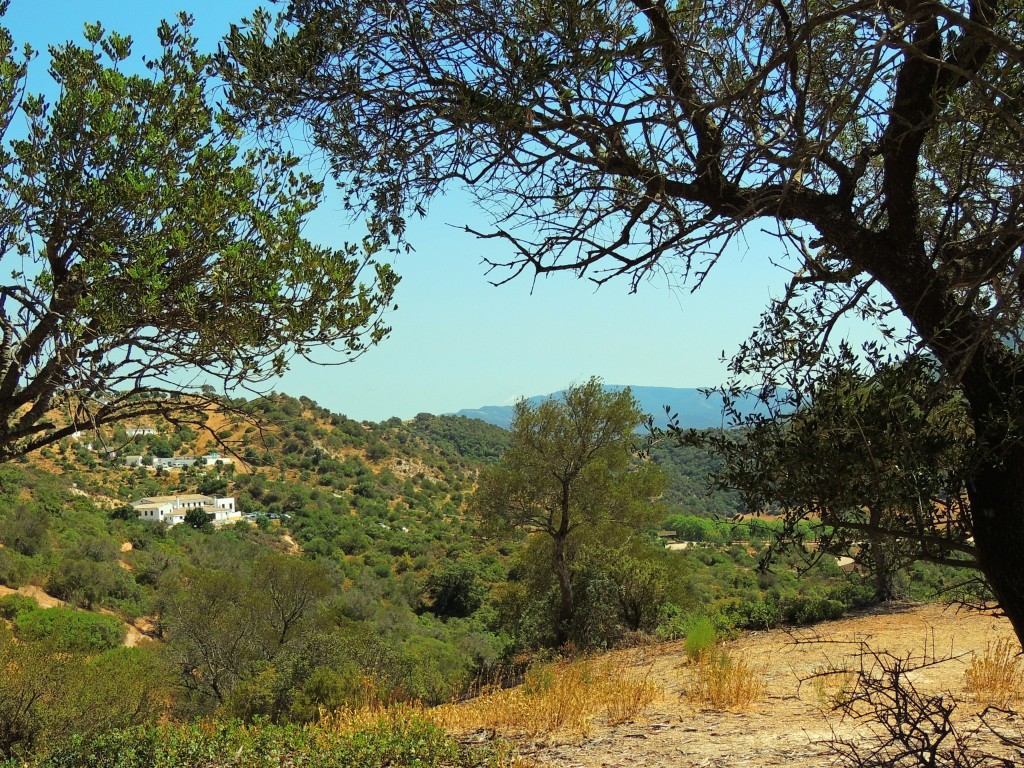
{"x":360,"y":579}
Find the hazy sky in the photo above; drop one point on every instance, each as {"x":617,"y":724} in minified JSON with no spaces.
{"x":457,"y":342}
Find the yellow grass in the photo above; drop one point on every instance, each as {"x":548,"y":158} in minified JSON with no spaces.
{"x":719,"y":681}
{"x":348,"y":720}
{"x":565,"y":697}
{"x":996,"y":676}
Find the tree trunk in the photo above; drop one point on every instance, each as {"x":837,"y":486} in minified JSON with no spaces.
{"x":883,"y":572}
{"x":565,"y":600}
{"x":988,"y":372}
{"x":996,"y":492}
{"x":881,"y":566}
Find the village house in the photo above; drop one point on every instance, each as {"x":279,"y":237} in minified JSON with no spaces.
{"x":178,"y":462}
{"x":172,"y":509}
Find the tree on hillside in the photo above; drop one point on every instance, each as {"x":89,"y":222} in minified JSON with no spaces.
{"x":144,"y":250}
{"x":877,"y":464}
{"x":880,"y":140}
{"x":571,"y":470}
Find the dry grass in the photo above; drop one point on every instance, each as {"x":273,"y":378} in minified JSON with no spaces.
{"x":348,"y":720}
{"x":719,"y":681}
{"x":996,"y":677}
{"x":562,"y":698}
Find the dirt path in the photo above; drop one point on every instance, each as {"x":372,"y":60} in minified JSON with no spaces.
{"x":788,"y":727}
{"x":45,"y":600}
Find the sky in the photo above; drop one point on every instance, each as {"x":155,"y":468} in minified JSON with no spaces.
{"x":457,"y":341}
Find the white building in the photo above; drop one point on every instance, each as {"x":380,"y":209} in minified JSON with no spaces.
{"x":172,"y":509}
{"x":178,"y":462}
{"x":213,"y":458}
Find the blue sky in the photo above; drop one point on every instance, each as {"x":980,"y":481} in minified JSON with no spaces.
{"x":457,"y":342}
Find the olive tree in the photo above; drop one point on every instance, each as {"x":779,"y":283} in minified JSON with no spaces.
{"x":571,"y":470}
{"x":144,"y":249}
{"x":879,"y":140}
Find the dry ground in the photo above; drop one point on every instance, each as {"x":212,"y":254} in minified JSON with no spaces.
{"x":789,"y":726}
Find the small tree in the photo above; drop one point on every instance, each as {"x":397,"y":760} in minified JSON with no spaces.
{"x":876,"y":461}
{"x":571,"y":469}
{"x":198,"y":519}
{"x":456,"y":589}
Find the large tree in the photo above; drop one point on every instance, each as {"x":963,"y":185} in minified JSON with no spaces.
{"x":881,"y":140}
{"x":571,"y":472}
{"x":144,"y":250}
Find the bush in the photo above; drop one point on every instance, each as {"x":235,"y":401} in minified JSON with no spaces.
{"x":397,"y":739}
{"x":11,"y":606}
{"x":69,"y":630}
{"x":456,"y":589}
{"x":759,"y":614}
{"x":26,"y":530}
{"x":811,"y":610}
{"x":85,"y":583}
{"x":700,"y":637}
{"x":15,"y":569}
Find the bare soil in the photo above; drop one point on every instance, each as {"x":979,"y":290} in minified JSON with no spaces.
{"x":792,"y":725}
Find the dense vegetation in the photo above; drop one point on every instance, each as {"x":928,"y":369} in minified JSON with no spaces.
{"x":363,"y":579}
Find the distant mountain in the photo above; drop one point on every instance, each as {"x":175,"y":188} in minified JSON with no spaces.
{"x":693,"y":408}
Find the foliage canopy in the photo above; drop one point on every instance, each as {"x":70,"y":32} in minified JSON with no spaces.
{"x":143,"y":248}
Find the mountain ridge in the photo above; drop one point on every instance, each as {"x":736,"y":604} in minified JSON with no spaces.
{"x":694,"y":408}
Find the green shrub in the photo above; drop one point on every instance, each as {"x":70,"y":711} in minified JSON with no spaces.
{"x":759,"y":614}
{"x":700,"y":636}
{"x":15,"y":568}
{"x":456,"y":589}
{"x":671,"y":622}
{"x":811,"y":610}
{"x":13,"y":605}
{"x":70,"y":630}
{"x":404,"y":740}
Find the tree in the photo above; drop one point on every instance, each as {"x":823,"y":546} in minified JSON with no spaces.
{"x":571,"y":470}
{"x":226,"y":629}
{"x":881,"y":140}
{"x":293,"y":588}
{"x":144,"y":249}
{"x":876,"y":463}
{"x":198,"y":519}
{"x":456,"y":589}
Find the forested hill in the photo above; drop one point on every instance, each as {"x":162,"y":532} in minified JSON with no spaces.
{"x":361,"y":578}
{"x":693,"y":408}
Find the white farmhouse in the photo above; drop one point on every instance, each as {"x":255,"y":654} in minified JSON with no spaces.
{"x":172,"y":509}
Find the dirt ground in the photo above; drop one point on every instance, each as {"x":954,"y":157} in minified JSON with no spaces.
{"x":790,"y":725}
